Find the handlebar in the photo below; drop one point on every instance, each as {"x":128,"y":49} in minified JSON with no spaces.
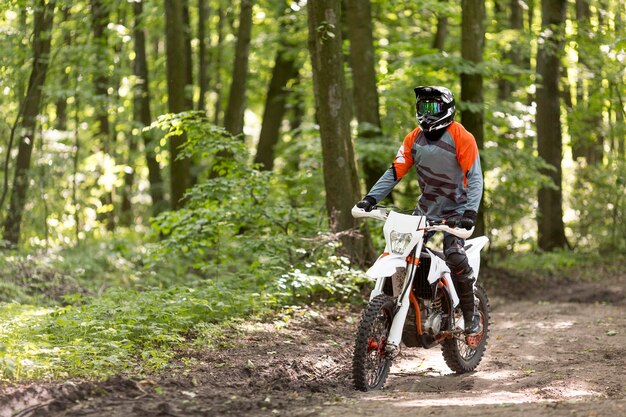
{"x":381,"y":213}
{"x":377,"y":212}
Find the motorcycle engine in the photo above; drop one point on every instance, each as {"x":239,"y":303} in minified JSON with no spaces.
{"x":433,"y":323}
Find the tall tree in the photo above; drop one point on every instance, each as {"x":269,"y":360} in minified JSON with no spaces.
{"x":203,"y":57}
{"x":620,"y":132}
{"x":588,"y":143}
{"x":99,"y":21}
{"x":441,"y":33}
{"x":515,"y":51}
{"x":365,"y":93}
{"x":141,"y":109}
{"x":472,"y":43}
{"x":285,"y":69}
{"x":177,"y":99}
{"x":233,"y":119}
{"x":43,"y":20}
{"x":340,"y":172}
{"x":187,"y":35}
{"x":218,"y":64}
{"x":551,"y":231}
{"x":61,"y":102}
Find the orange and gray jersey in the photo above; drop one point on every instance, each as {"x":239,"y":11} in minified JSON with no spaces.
{"x":448,"y":171}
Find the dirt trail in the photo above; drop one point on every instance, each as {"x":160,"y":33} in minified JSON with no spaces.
{"x":545,"y":358}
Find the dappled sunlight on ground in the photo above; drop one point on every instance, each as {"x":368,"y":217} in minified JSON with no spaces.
{"x":556,"y":325}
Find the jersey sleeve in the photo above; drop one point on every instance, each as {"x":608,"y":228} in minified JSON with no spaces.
{"x":400,"y":166}
{"x":474,"y":178}
{"x":469,"y":161}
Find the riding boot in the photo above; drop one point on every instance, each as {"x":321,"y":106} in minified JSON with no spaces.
{"x":465,"y":287}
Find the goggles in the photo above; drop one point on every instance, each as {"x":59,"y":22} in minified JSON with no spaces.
{"x":429,"y":107}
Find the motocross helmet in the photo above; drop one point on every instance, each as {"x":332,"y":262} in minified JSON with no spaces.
{"x":434,"y":107}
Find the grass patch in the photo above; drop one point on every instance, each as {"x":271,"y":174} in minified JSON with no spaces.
{"x":106,"y":322}
{"x":547,"y":261}
{"x":568,"y":265}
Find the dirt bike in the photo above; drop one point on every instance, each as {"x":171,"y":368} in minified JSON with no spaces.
{"x":414,"y":300}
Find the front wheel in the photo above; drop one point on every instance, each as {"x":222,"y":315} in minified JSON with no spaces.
{"x":464,"y":354}
{"x":370,"y":361}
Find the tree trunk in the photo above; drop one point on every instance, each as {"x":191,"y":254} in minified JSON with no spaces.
{"x":340,"y":173}
{"x":203,"y":61}
{"x":285,"y":69}
{"x":43,"y":19}
{"x":188,"y":55}
{"x":218,"y":65}
{"x":233,"y":119}
{"x":441,"y":34}
{"x":517,"y":50}
{"x":472,"y":43}
{"x":99,"y":20}
{"x":177,"y":99}
{"x":365,"y":93}
{"x":99,"y":16}
{"x":141,"y":110}
{"x":587,"y":143}
{"x":551,"y":231}
{"x":620,"y":133}
{"x":61,"y":103}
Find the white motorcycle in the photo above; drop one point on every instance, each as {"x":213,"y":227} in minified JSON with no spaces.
{"x":414,"y":301}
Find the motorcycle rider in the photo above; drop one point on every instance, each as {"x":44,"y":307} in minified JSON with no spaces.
{"x":446,"y":158}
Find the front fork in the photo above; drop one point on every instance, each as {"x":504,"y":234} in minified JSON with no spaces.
{"x":402,"y":308}
{"x":403,"y":304}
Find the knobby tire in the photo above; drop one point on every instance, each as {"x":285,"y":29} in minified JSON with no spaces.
{"x":458,"y":355}
{"x":370,"y":363}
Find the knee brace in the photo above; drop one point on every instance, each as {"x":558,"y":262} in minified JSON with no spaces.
{"x":456,"y":259}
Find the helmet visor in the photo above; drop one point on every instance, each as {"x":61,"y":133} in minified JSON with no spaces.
{"x":429,"y":107}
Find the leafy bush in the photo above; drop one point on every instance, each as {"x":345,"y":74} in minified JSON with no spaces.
{"x":123,"y":330}
{"x":239,"y":221}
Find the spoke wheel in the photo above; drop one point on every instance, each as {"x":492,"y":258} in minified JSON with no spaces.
{"x":465,"y":353}
{"x":370,"y":361}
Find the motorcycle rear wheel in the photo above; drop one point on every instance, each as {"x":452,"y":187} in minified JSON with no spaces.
{"x":370,"y":361}
{"x":457,"y":353}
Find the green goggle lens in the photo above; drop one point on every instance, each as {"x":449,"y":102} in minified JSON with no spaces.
{"x":428,"y":107}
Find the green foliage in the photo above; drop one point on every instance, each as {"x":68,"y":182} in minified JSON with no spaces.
{"x":600,"y":207}
{"x":241,"y":221}
{"x":116,"y":331}
{"x":512,"y":177}
{"x":119,"y":317}
{"x":547,"y":262}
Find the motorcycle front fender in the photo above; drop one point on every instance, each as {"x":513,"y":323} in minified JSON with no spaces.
{"x":385,"y":266}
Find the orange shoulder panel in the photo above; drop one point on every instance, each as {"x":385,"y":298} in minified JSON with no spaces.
{"x":404,"y":160}
{"x":466,"y":148}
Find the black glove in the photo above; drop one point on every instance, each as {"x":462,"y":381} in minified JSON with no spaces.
{"x":466,"y":221}
{"x":367,"y":203}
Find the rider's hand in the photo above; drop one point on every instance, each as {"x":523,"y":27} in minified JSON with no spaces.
{"x":466,"y":221}
{"x":367,"y":203}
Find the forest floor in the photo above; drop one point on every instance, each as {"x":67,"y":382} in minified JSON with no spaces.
{"x":557,"y":348}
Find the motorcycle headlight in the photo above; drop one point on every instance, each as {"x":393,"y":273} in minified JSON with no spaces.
{"x":399,"y":242}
